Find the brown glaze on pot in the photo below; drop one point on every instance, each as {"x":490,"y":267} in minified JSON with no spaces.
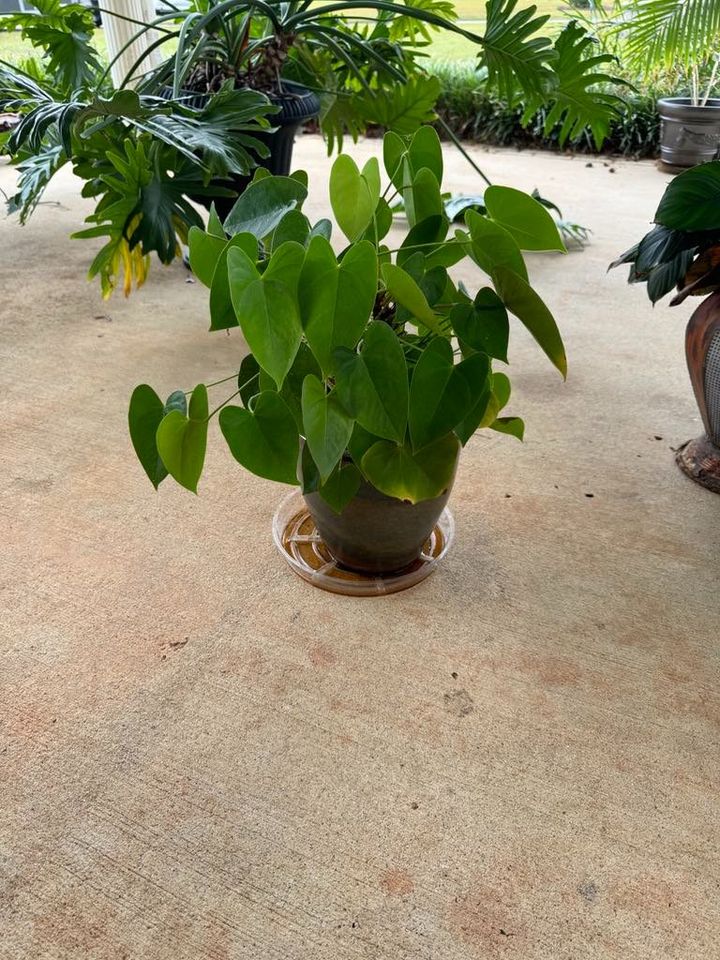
{"x":376,"y":533}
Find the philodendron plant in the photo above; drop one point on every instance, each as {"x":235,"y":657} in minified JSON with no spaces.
{"x":368,"y":360}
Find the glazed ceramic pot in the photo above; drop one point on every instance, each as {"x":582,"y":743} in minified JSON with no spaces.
{"x":376,"y":534}
{"x":700,"y":458}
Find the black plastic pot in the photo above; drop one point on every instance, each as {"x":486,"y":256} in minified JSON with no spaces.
{"x":375,"y":533}
{"x":298,"y":105}
{"x":689,"y":134}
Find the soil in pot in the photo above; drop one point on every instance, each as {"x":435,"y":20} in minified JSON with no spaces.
{"x":690,"y":134}
{"x":376,"y":534}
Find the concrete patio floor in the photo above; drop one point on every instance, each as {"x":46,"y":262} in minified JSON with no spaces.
{"x":204,"y":758}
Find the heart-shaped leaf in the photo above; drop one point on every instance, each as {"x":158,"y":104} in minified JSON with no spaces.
{"x":222,"y":315}
{"x":526,"y":220}
{"x":439,"y":394}
{"x":342,"y":485}
{"x":144,"y":416}
{"x":483,"y":325}
{"x":520,"y":298}
{"x":492,"y":246}
{"x":336,"y":299}
{"x":181,"y":440}
{"x":205,"y":250}
{"x":399,"y":472}
{"x":265,"y":440}
{"x":407,"y":293}
{"x":263,"y":204}
{"x":421,"y":237}
{"x":373,"y":385}
{"x":425,"y":150}
{"x":327,"y":426}
{"x":291,"y":392}
{"x":266,"y":306}
{"x":476,"y":372}
{"x":353,"y":196}
{"x":293,"y":226}
{"x":511,"y":425}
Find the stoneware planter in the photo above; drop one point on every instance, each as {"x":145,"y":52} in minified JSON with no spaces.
{"x":298,"y":105}
{"x":700,"y":458}
{"x":376,"y":534}
{"x":689,"y":135}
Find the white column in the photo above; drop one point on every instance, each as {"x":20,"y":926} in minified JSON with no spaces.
{"x":118,"y":32}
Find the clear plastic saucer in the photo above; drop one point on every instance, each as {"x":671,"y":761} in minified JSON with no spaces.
{"x":300,"y":544}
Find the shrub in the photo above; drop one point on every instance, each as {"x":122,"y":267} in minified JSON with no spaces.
{"x":474,"y":114}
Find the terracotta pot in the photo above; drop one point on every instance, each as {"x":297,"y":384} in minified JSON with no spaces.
{"x":700,"y":458}
{"x":375,"y":533}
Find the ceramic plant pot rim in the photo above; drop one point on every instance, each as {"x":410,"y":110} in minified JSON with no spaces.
{"x":297,"y":102}
{"x":682,"y":108}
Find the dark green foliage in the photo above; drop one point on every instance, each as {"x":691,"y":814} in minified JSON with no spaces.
{"x":473,"y":113}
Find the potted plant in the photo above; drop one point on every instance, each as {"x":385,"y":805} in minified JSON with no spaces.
{"x":370,"y":368}
{"x":682,"y":252}
{"x":672,"y":34}
{"x":188,"y":149}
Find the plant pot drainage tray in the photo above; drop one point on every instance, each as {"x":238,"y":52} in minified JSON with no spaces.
{"x":300,"y":545}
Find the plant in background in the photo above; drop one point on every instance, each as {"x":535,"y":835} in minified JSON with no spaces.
{"x":363,"y":55}
{"x":682,"y":251}
{"x":661,"y":38}
{"x":374,"y":357}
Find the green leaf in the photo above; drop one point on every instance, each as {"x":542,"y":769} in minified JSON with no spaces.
{"x":394,"y":149}
{"x":336,"y":299}
{"x":327,"y":426}
{"x":398,"y":472}
{"x":477,"y":374}
{"x":263,"y":204}
{"x":483,"y":324}
{"x":402,"y":107}
{"x":360,"y":442}
{"x":439,"y":394}
{"x":214,"y":225}
{"x":222,"y":315}
{"x":353,"y":198}
{"x":291,"y":392}
{"x":575,"y":95}
{"x":426,"y":199}
{"x":248,"y":379}
{"x":407,"y":293}
{"x":692,"y":199}
{"x":520,"y":299}
{"x":266,"y":306}
{"x":341,"y":486}
{"x":515,"y":57}
{"x":511,"y":425}
{"x":293,"y":226}
{"x":425,"y":150}
{"x":373,"y":385}
{"x":205,"y":251}
{"x":492,"y":246}
{"x":144,"y":416}
{"x":423,"y":235}
{"x":526,"y":220}
{"x":264,"y":439}
{"x":181,"y":440}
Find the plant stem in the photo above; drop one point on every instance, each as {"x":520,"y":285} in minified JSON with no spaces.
{"x":223,"y":404}
{"x":711,"y":84}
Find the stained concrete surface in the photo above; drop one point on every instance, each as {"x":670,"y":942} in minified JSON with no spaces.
{"x":203,"y":758}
